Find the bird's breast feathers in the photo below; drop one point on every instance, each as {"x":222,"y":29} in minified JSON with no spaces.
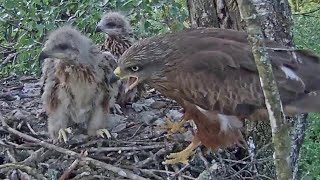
{"x":81,"y":81}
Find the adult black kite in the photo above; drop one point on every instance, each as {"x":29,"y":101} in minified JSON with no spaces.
{"x":212,"y":74}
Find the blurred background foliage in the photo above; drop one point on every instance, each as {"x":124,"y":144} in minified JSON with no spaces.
{"x":24,"y":25}
{"x":306,"y":16}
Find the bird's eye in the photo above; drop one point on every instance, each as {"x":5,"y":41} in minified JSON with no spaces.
{"x":63,"y":46}
{"x":110,"y":24}
{"x":135,"y":68}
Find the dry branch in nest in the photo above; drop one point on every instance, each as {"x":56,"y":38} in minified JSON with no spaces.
{"x":109,"y":167}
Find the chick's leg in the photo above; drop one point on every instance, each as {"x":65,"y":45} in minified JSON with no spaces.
{"x":183,"y":155}
{"x":114,"y":91}
{"x":62,"y":134}
{"x":57,"y":126}
{"x":117,"y":109}
{"x":174,"y":127}
{"x":103,"y":132}
{"x":97,"y":121}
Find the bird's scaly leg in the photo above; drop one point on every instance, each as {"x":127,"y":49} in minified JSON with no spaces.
{"x":183,"y":155}
{"x":62,"y":134}
{"x":102,"y":132}
{"x":174,"y":127}
{"x":117,"y":108}
{"x":96,"y":126}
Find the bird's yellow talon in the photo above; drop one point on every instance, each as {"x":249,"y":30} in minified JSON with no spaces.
{"x":117,"y":108}
{"x":102,"y":132}
{"x":174,"y":127}
{"x":182,"y":157}
{"x":62,"y":134}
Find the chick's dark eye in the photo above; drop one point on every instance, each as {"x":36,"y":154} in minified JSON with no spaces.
{"x":63,"y":46}
{"x":110,"y":24}
{"x":135,"y":68}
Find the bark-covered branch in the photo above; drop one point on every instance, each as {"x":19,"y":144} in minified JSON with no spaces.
{"x":203,"y":13}
{"x":280,"y":136}
{"x":277,"y":25}
{"x":298,"y":134}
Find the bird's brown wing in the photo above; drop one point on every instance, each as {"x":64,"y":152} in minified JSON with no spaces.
{"x":105,"y":59}
{"x":107,"y":63}
{"x":47,"y":69}
{"x":224,"y":78}
{"x":43,"y":79}
{"x":50,"y":84}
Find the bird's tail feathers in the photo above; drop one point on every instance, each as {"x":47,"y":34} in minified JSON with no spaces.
{"x":309,"y":103}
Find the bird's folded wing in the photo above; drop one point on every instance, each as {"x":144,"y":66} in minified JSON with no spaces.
{"x":207,"y":75}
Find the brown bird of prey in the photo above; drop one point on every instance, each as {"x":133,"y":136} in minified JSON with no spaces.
{"x":76,"y":89}
{"x":211,"y":73}
{"x":118,"y":39}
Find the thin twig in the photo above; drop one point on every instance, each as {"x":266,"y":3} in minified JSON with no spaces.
{"x":109,"y":167}
{"x":17,"y":146}
{"x":8,"y":59}
{"x":31,"y":130}
{"x":24,"y":168}
{"x":67,"y":172}
{"x":34,"y":156}
{"x":179,"y":172}
{"x":11,"y":157}
{"x":151,"y":174}
{"x":309,"y":12}
{"x":146,"y":161}
{"x":108,"y":149}
{"x":135,"y":133}
{"x":176,"y":170}
{"x":82,"y":175}
{"x":9,"y":144}
{"x":204,"y":160}
{"x":169,"y":172}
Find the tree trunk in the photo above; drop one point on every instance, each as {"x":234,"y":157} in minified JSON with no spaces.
{"x":214,"y":13}
{"x":202,"y":13}
{"x":276,"y":21}
{"x":280,"y":135}
{"x":298,"y":134}
{"x":229,"y":15}
{"x":276,"y":24}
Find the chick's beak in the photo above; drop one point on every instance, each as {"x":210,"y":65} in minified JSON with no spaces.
{"x":43,"y":55}
{"x":115,"y":76}
{"x":98,"y":29}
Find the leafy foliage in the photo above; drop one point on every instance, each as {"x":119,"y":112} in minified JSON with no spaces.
{"x":306,"y":27}
{"x":304,"y":5}
{"x":24,"y":24}
{"x":306,"y":32}
{"x":310,"y":157}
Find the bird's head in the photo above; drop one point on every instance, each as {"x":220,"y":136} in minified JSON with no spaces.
{"x":68,"y":44}
{"x":114,"y":23}
{"x":143,"y":62}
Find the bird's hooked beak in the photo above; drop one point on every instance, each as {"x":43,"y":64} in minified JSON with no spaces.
{"x":43,"y":55}
{"x":132,"y":80}
{"x":98,"y":29}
